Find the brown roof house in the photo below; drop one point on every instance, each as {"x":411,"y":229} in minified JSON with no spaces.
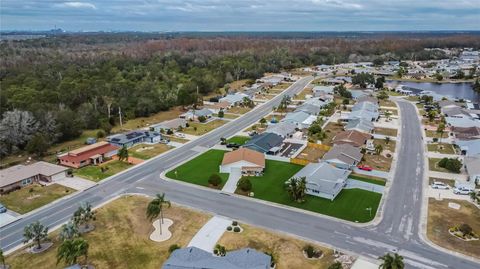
{"x":91,"y":154}
{"x":244,"y":160}
{"x":19,"y":176}
{"x":466,"y":133}
{"x":352,"y":137}
{"x":343,"y":156}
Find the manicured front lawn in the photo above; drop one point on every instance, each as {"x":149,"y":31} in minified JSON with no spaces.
{"x":369,"y":179}
{"x":199,"y":169}
{"x":442,"y":148}
{"x":441,"y":218}
{"x":431,"y":133}
{"x":137,"y":123}
{"x":239,"y":110}
{"x":230,"y":116}
{"x":121,"y":238}
{"x":350,"y":204}
{"x":34,"y":196}
{"x":387,"y":103}
{"x":146,"y":152}
{"x":197,"y":128}
{"x":386,"y":131}
{"x":302,"y":94}
{"x":311,"y":154}
{"x":433,"y":165}
{"x":95,"y":172}
{"x":240,"y":140}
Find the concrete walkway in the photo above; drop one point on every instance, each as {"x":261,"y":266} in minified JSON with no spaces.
{"x":175,"y":144}
{"x":432,"y":154}
{"x":459,"y":177}
{"x":375,"y":173}
{"x":445,"y":194}
{"x":380,"y":136}
{"x":233,"y":179}
{"x":206,"y":238}
{"x":76,"y":183}
{"x":357,"y":184}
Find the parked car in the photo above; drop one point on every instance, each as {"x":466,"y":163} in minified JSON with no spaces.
{"x":462,"y":191}
{"x":3,"y":209}
{"x":365,"y":167}
{"x":180,"y":135}
{"x":233,"y":145}
{"x":439,"y":185}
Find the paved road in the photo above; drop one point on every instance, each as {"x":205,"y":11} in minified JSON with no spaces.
{"x":398,"y":230}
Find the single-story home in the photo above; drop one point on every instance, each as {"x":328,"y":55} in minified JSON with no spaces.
{"x":466,"y":133}
{"x":323,"y":180}
{"x":134,"y":137}
{"x":455,"y":112}
{"x":195,"y":258}
{"x":247,"y":161}
{"x":344,"y":156}
{"x":469,"y":147}
{"x":472,"y":166}
{"x":352,"y":137}
{"x":169,"y":125}
{"x":20,"y":175}
{"x":462,"y":122}
{"x":234,"y":99}
{"x":301,"y":119}
{"x":217,"y":107}
{"x":361,"y":125}
{"x":266,"y":142}
{"x":283,"y":129}
{"x":318,"y":90}
{"x":367,"y":98}
{"x":309,"y":108}
{"x":358,"y":93}
{"x":91,"y":154}
{"x":194,"y":114}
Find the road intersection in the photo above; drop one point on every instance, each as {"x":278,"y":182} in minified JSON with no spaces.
{"x":398,"y":230}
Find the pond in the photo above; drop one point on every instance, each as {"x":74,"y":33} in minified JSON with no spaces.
{"x":452,"y":90}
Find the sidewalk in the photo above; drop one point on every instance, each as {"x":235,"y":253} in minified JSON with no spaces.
{"x":380,"y":136}
{"x":447,"y":175}
{"x":76,"y":183}
{"x":433,"y":154}
{"x":206,"y":238}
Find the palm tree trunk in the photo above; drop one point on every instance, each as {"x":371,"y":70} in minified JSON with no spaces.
{"x":39,"y":245}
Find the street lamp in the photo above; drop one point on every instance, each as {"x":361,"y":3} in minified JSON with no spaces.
{"x":369,"y":209}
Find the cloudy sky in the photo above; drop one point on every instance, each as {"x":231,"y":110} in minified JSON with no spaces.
{"x":240,"y":15}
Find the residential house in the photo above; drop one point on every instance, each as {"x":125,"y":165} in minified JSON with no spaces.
{"x":344,"y":156}
{"x":283,"y":129}
{"x":301,"y":119}
{"x":321,"y":90}
{"x":469,"y":147}
{"x":195,"y":258}
{"x":234,"y":99}
{"x":247,"y":161}
{"x":358,"y":94}
{"x":367,"y":98}
{"x":466,"y":133}
{"x":448,"y":104}
{"x":195,"y":114}
{"x":352,"y":137}
{"x":91,"y":154}
{"x":360,"y":124}
{"x":169,"y":125}
{"x":265,"y":143}
{"x":462,"y":122}
{"x":217,"y":107}
{"x":472,"y":166}
{"x":323,"y":180}
{"x":455,"y":112}
{"x":364,"y":110}
{"x":134,"y":137}
{"x":309,"y":108}
{"x":18,"y":176}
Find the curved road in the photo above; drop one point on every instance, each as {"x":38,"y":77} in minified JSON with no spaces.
{"x":399,"y":228}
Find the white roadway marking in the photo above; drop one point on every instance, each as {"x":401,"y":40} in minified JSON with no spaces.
{"x":413,"y":256}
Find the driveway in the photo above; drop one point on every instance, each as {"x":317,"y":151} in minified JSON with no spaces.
{"x":445,"y":194}
{"x":233,"y":178}
{"x":357,"y":184}
{"x":206,"y":238}
{"x":375,"y":173}
{"x":447,"y":175}
{"x":7,"y":217}
{"x":76,"y":183}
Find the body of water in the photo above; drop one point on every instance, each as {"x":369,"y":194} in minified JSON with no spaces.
{"x":452,"y":90}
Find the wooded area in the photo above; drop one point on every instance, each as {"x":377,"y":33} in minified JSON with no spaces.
{"x":54,"y":87}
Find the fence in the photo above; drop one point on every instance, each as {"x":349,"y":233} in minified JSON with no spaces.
{"x":319,"y":146}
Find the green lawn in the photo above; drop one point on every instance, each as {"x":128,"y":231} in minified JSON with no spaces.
{"x":199,"y":169}
{"x":349,"y":205}
{"x":369,"y":179}
{"x":197,"y":128}
{"x":145,"y":152}
{"x":442,"y":148}
{"x":239,"y":140}
{"x":34,"y":196}
{"x":95,"y":172}
{"x":431,"y":133}
{"x":433,"y":165}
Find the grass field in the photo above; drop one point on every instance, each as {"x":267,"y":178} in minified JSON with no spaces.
{"x":387,"y":103}
{"x":433,"y":165}
{"x":239,"y":110}
{"x":287,"y":250}
{"x":369,"y":179}
{"x":199,"y":169}
{"x":137,"y":123}
{"x":146,"y":152}
{"x":430,"y":133}
{"x":230,"y":116}
{"x":197,"y":128}
{"x":311,"y":154}
{"x":302,"y":94}
{"x":441,"y":217}
{"x":121,"y":238}
{"x":331,"y":130}
{"x":95,"y":172}
{"x":349,"y":205}
{"x":240,"y":140}
{"x":380,"y":162}
{"x":442,"y":148}
{"x":34,"y":196}
{"x":386,"y":131}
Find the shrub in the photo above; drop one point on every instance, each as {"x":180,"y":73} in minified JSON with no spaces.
{"x":221,"y":114}
{"x":465,"y":229}
{"x":173,"y":247}
{"x":229,"y":228}
{"x":453,"y":165}
{"x":100,"y":133}
{"x":312,"y":252}
{"x":236,"y":229}
{"x":215,"y":180}
{"x":235,"y":223}
{"x":202,"y":119}
{"x":244,"y":184}
{"x":443,"y":162}
{"x":169,"y":132}
{"x":435,"y":139}
{"x":336,"y":265}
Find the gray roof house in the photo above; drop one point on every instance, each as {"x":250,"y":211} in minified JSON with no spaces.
{"x":169,"y":124}
{"x":235,"y":98}
{"x":134,"y":137}
{"x":472,"y":166}
{"x":358,"y":93}
{"x":283,"y":129}
{"x":462,"y":122}
{"x":195,"y":258}
{"x":469,"y":147}
{"x":317,"y":90}
{"x":323,"y":180}
{"x":455,"y":111}
{"x":300,"y":118}
{"x":190,"y":115}
{"x":309,"y":108}
{"x":265,"y":142}
{"x":365,"y":105}
{"x":360,"y":124}
{"x":344,"y":156}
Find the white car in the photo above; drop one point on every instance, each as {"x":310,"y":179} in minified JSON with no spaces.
{"x":439,"y":185}
{"x":462,"y":191}
{"x":180,"y":135}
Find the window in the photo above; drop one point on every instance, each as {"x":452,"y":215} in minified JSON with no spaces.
{"x":26,"y":181}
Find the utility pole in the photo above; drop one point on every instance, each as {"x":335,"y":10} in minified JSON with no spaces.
{"x":120,"y":115}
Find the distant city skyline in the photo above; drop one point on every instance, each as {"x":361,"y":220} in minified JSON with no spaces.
{"x":244,"y":15}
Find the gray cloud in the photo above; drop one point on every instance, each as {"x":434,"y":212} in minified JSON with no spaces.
{"x":246,"y":15}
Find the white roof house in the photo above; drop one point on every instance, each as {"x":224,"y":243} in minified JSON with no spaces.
{"x":235,"y":98}
{"x":462,"y":122}
{"x":360,"y":124}
{"x":323,"y":179}
{"x":469,"y":147}
{"x":300,"y":118}
{"x":283,"y":129}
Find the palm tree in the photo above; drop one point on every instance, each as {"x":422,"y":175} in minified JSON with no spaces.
{"x":296,"y":188}
{"x":440,"y":130}
{"x":378,"y":149}
{"x":387,"y":140}
{"x":84,"y":215}
{"x":72,"y":249}
{"x":123,"y":154}
{"x":473,"y":196}
{"x":388,"y":114}
{"x":155,"y":208}
{"x":68,"y":231}
{"x":391,"y":262}
{"x":36,"y":232}
{"x":2,"y":259}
